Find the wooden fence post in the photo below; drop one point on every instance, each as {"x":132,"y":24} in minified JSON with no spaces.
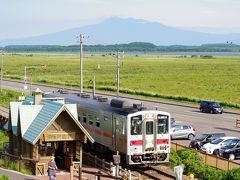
{"x":95,"y":161}
{"x":20,"y":163}
{"x":79,"y":172}
{"x":71,"y":172}
{"x":103,"y":164}
{"x":5,"y":161}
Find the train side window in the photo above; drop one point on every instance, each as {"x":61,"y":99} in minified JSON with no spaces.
{"x":98,"y":124}
{"x":136,"y":125}
{"x":149,"y":127}
{"x":85,"y":119}
{"x":163,"y":126}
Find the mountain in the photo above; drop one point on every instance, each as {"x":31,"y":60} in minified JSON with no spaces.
{"x":119,"y":31}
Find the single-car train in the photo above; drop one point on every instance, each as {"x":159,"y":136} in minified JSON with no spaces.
{"x":141,"y":136}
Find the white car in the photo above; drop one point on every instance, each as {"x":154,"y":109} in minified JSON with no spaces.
{"x":214,"y":146}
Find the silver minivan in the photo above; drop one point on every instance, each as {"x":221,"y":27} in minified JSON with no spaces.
{"x":182,"y":131}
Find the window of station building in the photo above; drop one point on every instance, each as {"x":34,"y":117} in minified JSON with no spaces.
{"x":46,"y":149}
{"x":136,"y":125}
{"x":90,"y":122}
{"x":97,"y":124}
{"x":85,"y":119}
{"x":79,"y":118}
{"x":162,"y":124}
{"x":149,"y":127}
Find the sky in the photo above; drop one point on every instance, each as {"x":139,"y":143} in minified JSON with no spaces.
{"x":25,"y":18}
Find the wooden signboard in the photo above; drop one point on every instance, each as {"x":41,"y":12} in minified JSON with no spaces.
{"x":71,"y":136}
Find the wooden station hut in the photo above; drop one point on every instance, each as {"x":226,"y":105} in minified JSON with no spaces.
{"x":40,"y":127}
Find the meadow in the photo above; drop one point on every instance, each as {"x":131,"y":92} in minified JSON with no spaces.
{"x":171,"y":77}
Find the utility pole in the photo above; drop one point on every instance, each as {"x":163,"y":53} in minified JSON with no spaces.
{"x":30,"y":83}
{"x":81,"y":64}
{"x":25,"y":80}
{"x":1,"y":72}
{"x":82,"y":38}
{"x":118,"y":82}
{"x":94,"y":85}
{"x":118,"y":71}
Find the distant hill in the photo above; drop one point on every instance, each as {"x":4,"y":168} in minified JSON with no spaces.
{"x":122,"y":31}
{"x":130,"y":47}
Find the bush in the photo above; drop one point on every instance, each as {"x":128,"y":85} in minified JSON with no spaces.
{"x":194,"y":164}
{"x":234,"y":174}
{"x":191,"y":161}
{"x":3,"y":177}
{"x":26,"y":171}
{"x":12,"y":165}
{"x":1,"y":163}
{"x":175,"y":160}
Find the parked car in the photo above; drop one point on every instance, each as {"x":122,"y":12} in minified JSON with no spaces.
{"x":173,"y":122}
{"x":211,"y":107}
{"x":231,"y":150}
{"x":214,"y":146}
{"x":182,"y":131}
{"x":204,"y":138}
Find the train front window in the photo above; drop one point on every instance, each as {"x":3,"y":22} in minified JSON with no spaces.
{"x":136,"y":125}
{"x":162,"y":124}
{"x":149,"y":127}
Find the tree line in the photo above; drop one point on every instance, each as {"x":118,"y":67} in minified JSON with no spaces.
{"x":130,"y":47}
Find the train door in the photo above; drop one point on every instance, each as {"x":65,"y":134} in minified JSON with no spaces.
{"x":114,"y":132}
{"x":149,"y":133}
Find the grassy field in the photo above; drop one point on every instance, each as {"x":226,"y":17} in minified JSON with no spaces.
{"x":6,"y":96}
{"x":186,"y":78}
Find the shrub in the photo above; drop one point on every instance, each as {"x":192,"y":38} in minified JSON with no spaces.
{"x":4,"y":177}
{"x":192,"y":161}
{"x":26,"y":171}
{"x":234,"y":174}
{"x":12,"y":165}
{"x":174,"y":159}
{"x":1,"y":163}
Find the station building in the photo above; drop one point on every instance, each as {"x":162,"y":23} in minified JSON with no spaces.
{"x":39,"y":128}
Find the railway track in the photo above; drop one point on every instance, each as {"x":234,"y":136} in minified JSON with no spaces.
{"x":158,"y":172}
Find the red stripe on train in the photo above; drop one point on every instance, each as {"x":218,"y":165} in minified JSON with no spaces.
{"x":162,"y":141}
{"x":136,"y":142}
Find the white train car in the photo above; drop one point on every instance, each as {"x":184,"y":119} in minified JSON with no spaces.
{"x":140,"y":135}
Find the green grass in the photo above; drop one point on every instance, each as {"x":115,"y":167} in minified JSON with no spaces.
{"x":178,"y":78}
{"x":4,"y":177}
{"x":7,"y":95}
{"x":3,"y":138}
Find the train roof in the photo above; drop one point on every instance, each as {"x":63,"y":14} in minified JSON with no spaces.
{"x":121,"y":106}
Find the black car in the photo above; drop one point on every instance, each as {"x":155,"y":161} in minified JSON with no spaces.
{"x":204,"y":138}
{"x":211,"y":107}
{"x":231,"y":150}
